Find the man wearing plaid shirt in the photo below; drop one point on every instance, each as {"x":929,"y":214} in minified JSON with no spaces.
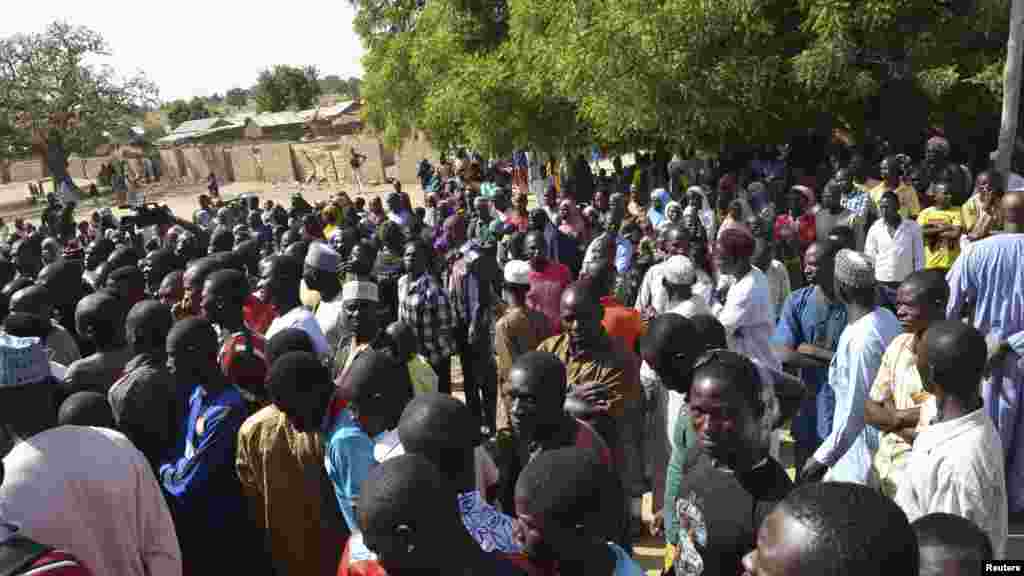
{"x":857,"y":200}
{"x":424,"y":305}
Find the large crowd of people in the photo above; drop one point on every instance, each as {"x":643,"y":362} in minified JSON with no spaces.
{"x":272,"y":388}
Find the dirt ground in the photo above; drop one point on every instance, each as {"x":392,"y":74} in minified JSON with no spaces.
{"x":184,"y":199}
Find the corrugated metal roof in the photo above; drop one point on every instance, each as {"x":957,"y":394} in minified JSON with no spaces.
{"x":328,"y":112}
{"x":173,"y":138}
{"x":272,"y":119}
{"x":199,"y":125}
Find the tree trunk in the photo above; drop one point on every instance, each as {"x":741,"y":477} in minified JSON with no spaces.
{"x":1011,"y":90}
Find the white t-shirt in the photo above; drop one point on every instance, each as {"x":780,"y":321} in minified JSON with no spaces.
{"x":304,"y":320}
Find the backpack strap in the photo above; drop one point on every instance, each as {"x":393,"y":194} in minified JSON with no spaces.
{"x":18,"y":553}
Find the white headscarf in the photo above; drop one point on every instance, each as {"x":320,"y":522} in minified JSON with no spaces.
{"x":706,"y":214}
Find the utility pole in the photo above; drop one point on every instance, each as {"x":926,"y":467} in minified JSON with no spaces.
{"x":1011,"y":90}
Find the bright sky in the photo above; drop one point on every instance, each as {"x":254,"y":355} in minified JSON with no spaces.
{"x":198,"y":47}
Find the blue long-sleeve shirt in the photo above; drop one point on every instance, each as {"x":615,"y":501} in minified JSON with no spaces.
{"x":850,"y":445}
{"x":203,"y":490}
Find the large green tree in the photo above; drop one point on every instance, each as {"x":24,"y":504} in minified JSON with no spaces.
{"x":181,"y":111}
{"x":55,"y":101}
{"x":285,"y":87}
{"x":237,"y":97}
{"x":693,"y":73}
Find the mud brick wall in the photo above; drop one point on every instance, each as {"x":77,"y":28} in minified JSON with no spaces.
{"x":278,"y":165}
{"x":243,"y":164}
{"x":196,"y":166}
{"x":27,"y":170}
{"x":172,"y":164}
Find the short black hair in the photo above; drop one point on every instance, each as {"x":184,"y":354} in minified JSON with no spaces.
{"x":377,"y":383}
{"x":667,"y":335}
{"x":86,"y":409}
{"x":711,"y":330}
{"x":568,"y":486}
{"x":296,"y":373}
{"x":33,"y":299}
{"x":105,"y":312}
{"x":586,"y":290}
{"x":174,"y":276}
{"x":406,"y":489}
{"x":735,"y":369}
{"x":123,"y":256}
{"x":930,"y":286}
{"x":26,"y":325}
{"x":287,"y":267}
{"x":957,"y":355}
{"x":441,"y":428}
{"x":222,"y":240}
{"x":194,"y":332}
{"x":959,"y":538}
{"x":202,"y":268}
{"x":544,"y":366}
{"x":285,"y":341}
{"x":854,"y":530}
{"x":127,"y":274}
{"x":230,"y":284}
{"x":891,"y":196}
{"x":152,"y":321}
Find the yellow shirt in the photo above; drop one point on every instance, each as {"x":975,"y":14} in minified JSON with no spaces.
{"x":290,"y":497}
{"x":424,"y":379}
{"x":941,"y":252}
{"x":899,"y":381}
{"x":910,"y":206}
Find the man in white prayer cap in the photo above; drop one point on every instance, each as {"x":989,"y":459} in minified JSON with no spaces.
{"x":359,"y":320}
{"x":320,"y":273}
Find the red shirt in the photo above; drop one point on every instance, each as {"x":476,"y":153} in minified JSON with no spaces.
{"x":243,"y":362}
{"x":258,"y":315}
{"x":804,"y":227}
{"x":545,"y":293}
{"x":360,"y":568}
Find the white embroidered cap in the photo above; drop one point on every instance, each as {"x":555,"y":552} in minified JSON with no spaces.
{"x":517,"y":272}
{"x":356,"y":290}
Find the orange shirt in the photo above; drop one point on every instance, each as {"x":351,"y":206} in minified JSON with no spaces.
{"x":622,"y":322}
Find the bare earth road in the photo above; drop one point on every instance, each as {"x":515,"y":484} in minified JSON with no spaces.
{"x":183,"y":199}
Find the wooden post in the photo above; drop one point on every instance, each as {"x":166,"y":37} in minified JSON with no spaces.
{"x":1011,"y":90}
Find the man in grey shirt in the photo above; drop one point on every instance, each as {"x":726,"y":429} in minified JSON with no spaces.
{"x":833,"y":214}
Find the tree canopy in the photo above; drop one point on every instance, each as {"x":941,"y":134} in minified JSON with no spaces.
{"x":53,"y":100}
{"x":181,"y":111}
{"x":284,"y":87}
{"x":498,"y":74}
{"x":334,"y":84}
{"x":237,"y":97}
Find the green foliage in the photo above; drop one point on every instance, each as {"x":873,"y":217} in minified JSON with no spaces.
{"x":54,"y":99}
{"x":237,"y":97}
{"x":334,"y":84}
{"x":285,"y":87}
{"x":498,"y":74}
{"x":181,"y":111}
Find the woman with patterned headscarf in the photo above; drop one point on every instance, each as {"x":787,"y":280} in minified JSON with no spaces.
{"x":572,"y":222}
{"x":698,"y":206}
{"x":673,"y":215}
{"x":656,"y":212}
